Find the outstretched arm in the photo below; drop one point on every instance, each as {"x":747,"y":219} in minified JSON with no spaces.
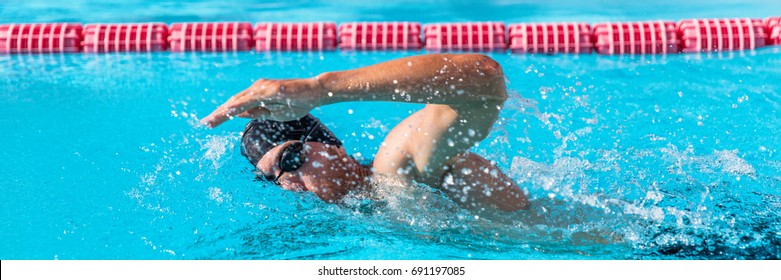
{"x":468,"y":81}
{"x":463,"y":92}
{"x":448,"y":79}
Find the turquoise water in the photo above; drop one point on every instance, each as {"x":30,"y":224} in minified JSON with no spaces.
{"x":627,"y":157}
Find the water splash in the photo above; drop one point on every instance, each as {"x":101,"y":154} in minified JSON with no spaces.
{"x":216,"y":147}
{"x":407,"y":204}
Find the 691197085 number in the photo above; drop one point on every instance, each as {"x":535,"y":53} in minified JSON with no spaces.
{"x":438,"y":270}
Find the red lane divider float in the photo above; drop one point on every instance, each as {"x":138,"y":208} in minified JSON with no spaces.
{"x":773,"y":29}
{"x":316,"y":36}
{"x":657,"y":37}
{"x":133,"y":37}
{"x":470,"y":36}
{"x":380,"y":36}
{"x":654,"y":37}
{"x":712,"y":35}
{"x":211,"y":36}
{"x":40,"y":38}
{"x":550,"y":38}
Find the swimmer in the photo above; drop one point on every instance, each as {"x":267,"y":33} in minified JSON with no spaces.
{"x":463,"y":94}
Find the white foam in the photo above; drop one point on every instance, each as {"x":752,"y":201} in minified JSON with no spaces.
{"x":730,"y":162}
{"x":216,"y":146}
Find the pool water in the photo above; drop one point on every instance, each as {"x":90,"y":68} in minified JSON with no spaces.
{"x":624,"y":157}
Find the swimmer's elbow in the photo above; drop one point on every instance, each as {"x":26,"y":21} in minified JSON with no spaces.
{"x":484,"y":64}
{"x":493,"y":75}
{"x":489,"y":66}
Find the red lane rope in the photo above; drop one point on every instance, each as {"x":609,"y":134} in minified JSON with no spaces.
{"x":653,"y":37}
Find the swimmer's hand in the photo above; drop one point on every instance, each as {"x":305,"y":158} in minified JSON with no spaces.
{"x":280,"y":100}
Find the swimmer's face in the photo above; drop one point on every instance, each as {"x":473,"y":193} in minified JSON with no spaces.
{"x":325,"y":170}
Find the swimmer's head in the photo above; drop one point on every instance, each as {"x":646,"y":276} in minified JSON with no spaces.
{"x":261,"y":136}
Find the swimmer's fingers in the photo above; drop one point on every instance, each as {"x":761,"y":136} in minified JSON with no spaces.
{"x":263,"y":100}
{"x":216,"y":118}
{"x":236,"y":105}
{"x":255,"y":113}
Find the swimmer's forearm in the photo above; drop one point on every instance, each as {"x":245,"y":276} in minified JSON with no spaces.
{"x":450,"y":79}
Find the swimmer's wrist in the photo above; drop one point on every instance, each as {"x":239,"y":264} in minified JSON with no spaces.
{"x":317,"y":92}
{"x":329,"y":94}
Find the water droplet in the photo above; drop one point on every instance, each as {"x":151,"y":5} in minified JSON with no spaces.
{"x":450,"y":143}
{"x":449,"y":179}
{"x":350,"y":111}
{"x":466,"y":171}
{"x":471,"y":132}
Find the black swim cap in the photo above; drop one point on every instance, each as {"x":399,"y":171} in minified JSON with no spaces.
{"x":261,"y":136}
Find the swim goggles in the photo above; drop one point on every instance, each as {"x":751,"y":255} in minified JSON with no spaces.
{"x":292,"y":157}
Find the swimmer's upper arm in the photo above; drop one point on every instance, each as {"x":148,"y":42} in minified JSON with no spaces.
{"x":421,"y":145}
{"x":462,"y":105}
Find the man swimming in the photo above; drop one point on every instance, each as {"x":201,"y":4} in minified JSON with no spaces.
{"x":463,"y":94}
